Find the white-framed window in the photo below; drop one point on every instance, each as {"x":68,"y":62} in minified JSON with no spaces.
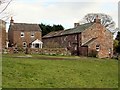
{"x":22,"y":34}
{"x":110,"y":50}
{"x":69,"y":44}
{"x":24,"y":44}
{"x":75,"y":37}
{"x":75,"y":47}
{"x":97,"y":47}
{"x":32,"y":34}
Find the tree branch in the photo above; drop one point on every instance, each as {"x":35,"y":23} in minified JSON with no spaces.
{"x":6,"y":6}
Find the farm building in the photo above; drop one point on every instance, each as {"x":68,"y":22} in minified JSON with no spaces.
{"x":24,"y":35}
{"x":90,"y":39}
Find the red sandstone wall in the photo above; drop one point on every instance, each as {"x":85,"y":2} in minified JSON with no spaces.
{"x":104,"y":38}
{"x":66,"y":41}
{"x":27,"y":37}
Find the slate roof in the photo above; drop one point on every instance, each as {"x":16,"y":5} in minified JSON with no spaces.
{"x":88,"y":42}
{"x":25,"y":27}
{"x":78,"y":29}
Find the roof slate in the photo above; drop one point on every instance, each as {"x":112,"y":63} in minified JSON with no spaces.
{"x":90,"y":41}
{"x":78,"y":29}
{"x":25,"y":27}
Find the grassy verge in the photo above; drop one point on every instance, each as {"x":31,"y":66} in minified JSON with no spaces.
{"x":40,"y":71}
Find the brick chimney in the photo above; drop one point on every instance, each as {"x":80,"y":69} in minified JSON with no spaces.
{"x":97,"y":20}
{"x":11,"y":21}
{"x":76,"y":25}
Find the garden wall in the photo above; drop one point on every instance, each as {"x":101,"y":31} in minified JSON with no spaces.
{"x":50,"y":51}
{"x":45,"y":51}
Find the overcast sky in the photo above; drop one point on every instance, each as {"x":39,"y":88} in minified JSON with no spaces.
{"x":64,"y":12}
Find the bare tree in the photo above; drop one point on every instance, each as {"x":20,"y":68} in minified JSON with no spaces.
{"x":3,"y":6}
{"x":106,"y":20}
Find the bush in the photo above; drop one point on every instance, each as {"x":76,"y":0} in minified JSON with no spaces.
{"x":93,"y":53}
{"x":20,"y":49}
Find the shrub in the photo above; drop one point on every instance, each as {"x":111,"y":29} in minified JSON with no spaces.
{"x":93,"y":53}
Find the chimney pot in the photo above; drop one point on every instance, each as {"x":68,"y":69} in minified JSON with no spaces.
{"x":11,"y":21}
{"x":97,"y":20}
{"x":76,"y":25}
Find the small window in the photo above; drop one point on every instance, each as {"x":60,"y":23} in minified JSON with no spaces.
{"x":75,"y":47}
{"x":97,"y":47}
{"x":76,"y":37}
{"x":110,"y":50}
{"x":32,"y":34}
{"x":22,"y":34}
{"x":69,"y":44}
{"x":24,"y":44}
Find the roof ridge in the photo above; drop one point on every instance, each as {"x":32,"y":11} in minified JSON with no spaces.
{"x":28,"y":23}
{"x":89,"y":41}
{"x":78,"y":29}
{"x":25,"y":26}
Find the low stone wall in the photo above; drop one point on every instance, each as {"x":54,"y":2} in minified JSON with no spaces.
{"x":43,"y":51}
{"x":9,"y":50}
{"x":50,"y":51}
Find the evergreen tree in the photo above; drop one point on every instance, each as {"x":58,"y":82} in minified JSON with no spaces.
{"x":118,"y":46}
{"x":118,"y":36}
{"x":47,"y":28}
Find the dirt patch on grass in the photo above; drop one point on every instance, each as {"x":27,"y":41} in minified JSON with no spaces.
{"x":52,"y":58}
{"x":47,"y":58}
{"x":26,"y":56}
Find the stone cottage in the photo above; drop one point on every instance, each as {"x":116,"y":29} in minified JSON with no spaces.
{"x":2,"y":35}
{"x":90,"y":39}
{"x":24,"y":35}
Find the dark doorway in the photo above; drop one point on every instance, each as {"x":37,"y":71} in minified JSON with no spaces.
{"x":36,"y":45}
{"x":84,"y":50}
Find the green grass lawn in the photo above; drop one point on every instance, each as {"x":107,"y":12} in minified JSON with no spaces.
{"x":40,"y":71}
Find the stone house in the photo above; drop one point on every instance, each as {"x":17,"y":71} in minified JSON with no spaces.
{"x":24,"y":34}
{"x":2,"y":35}
{"x":90,"y":39}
